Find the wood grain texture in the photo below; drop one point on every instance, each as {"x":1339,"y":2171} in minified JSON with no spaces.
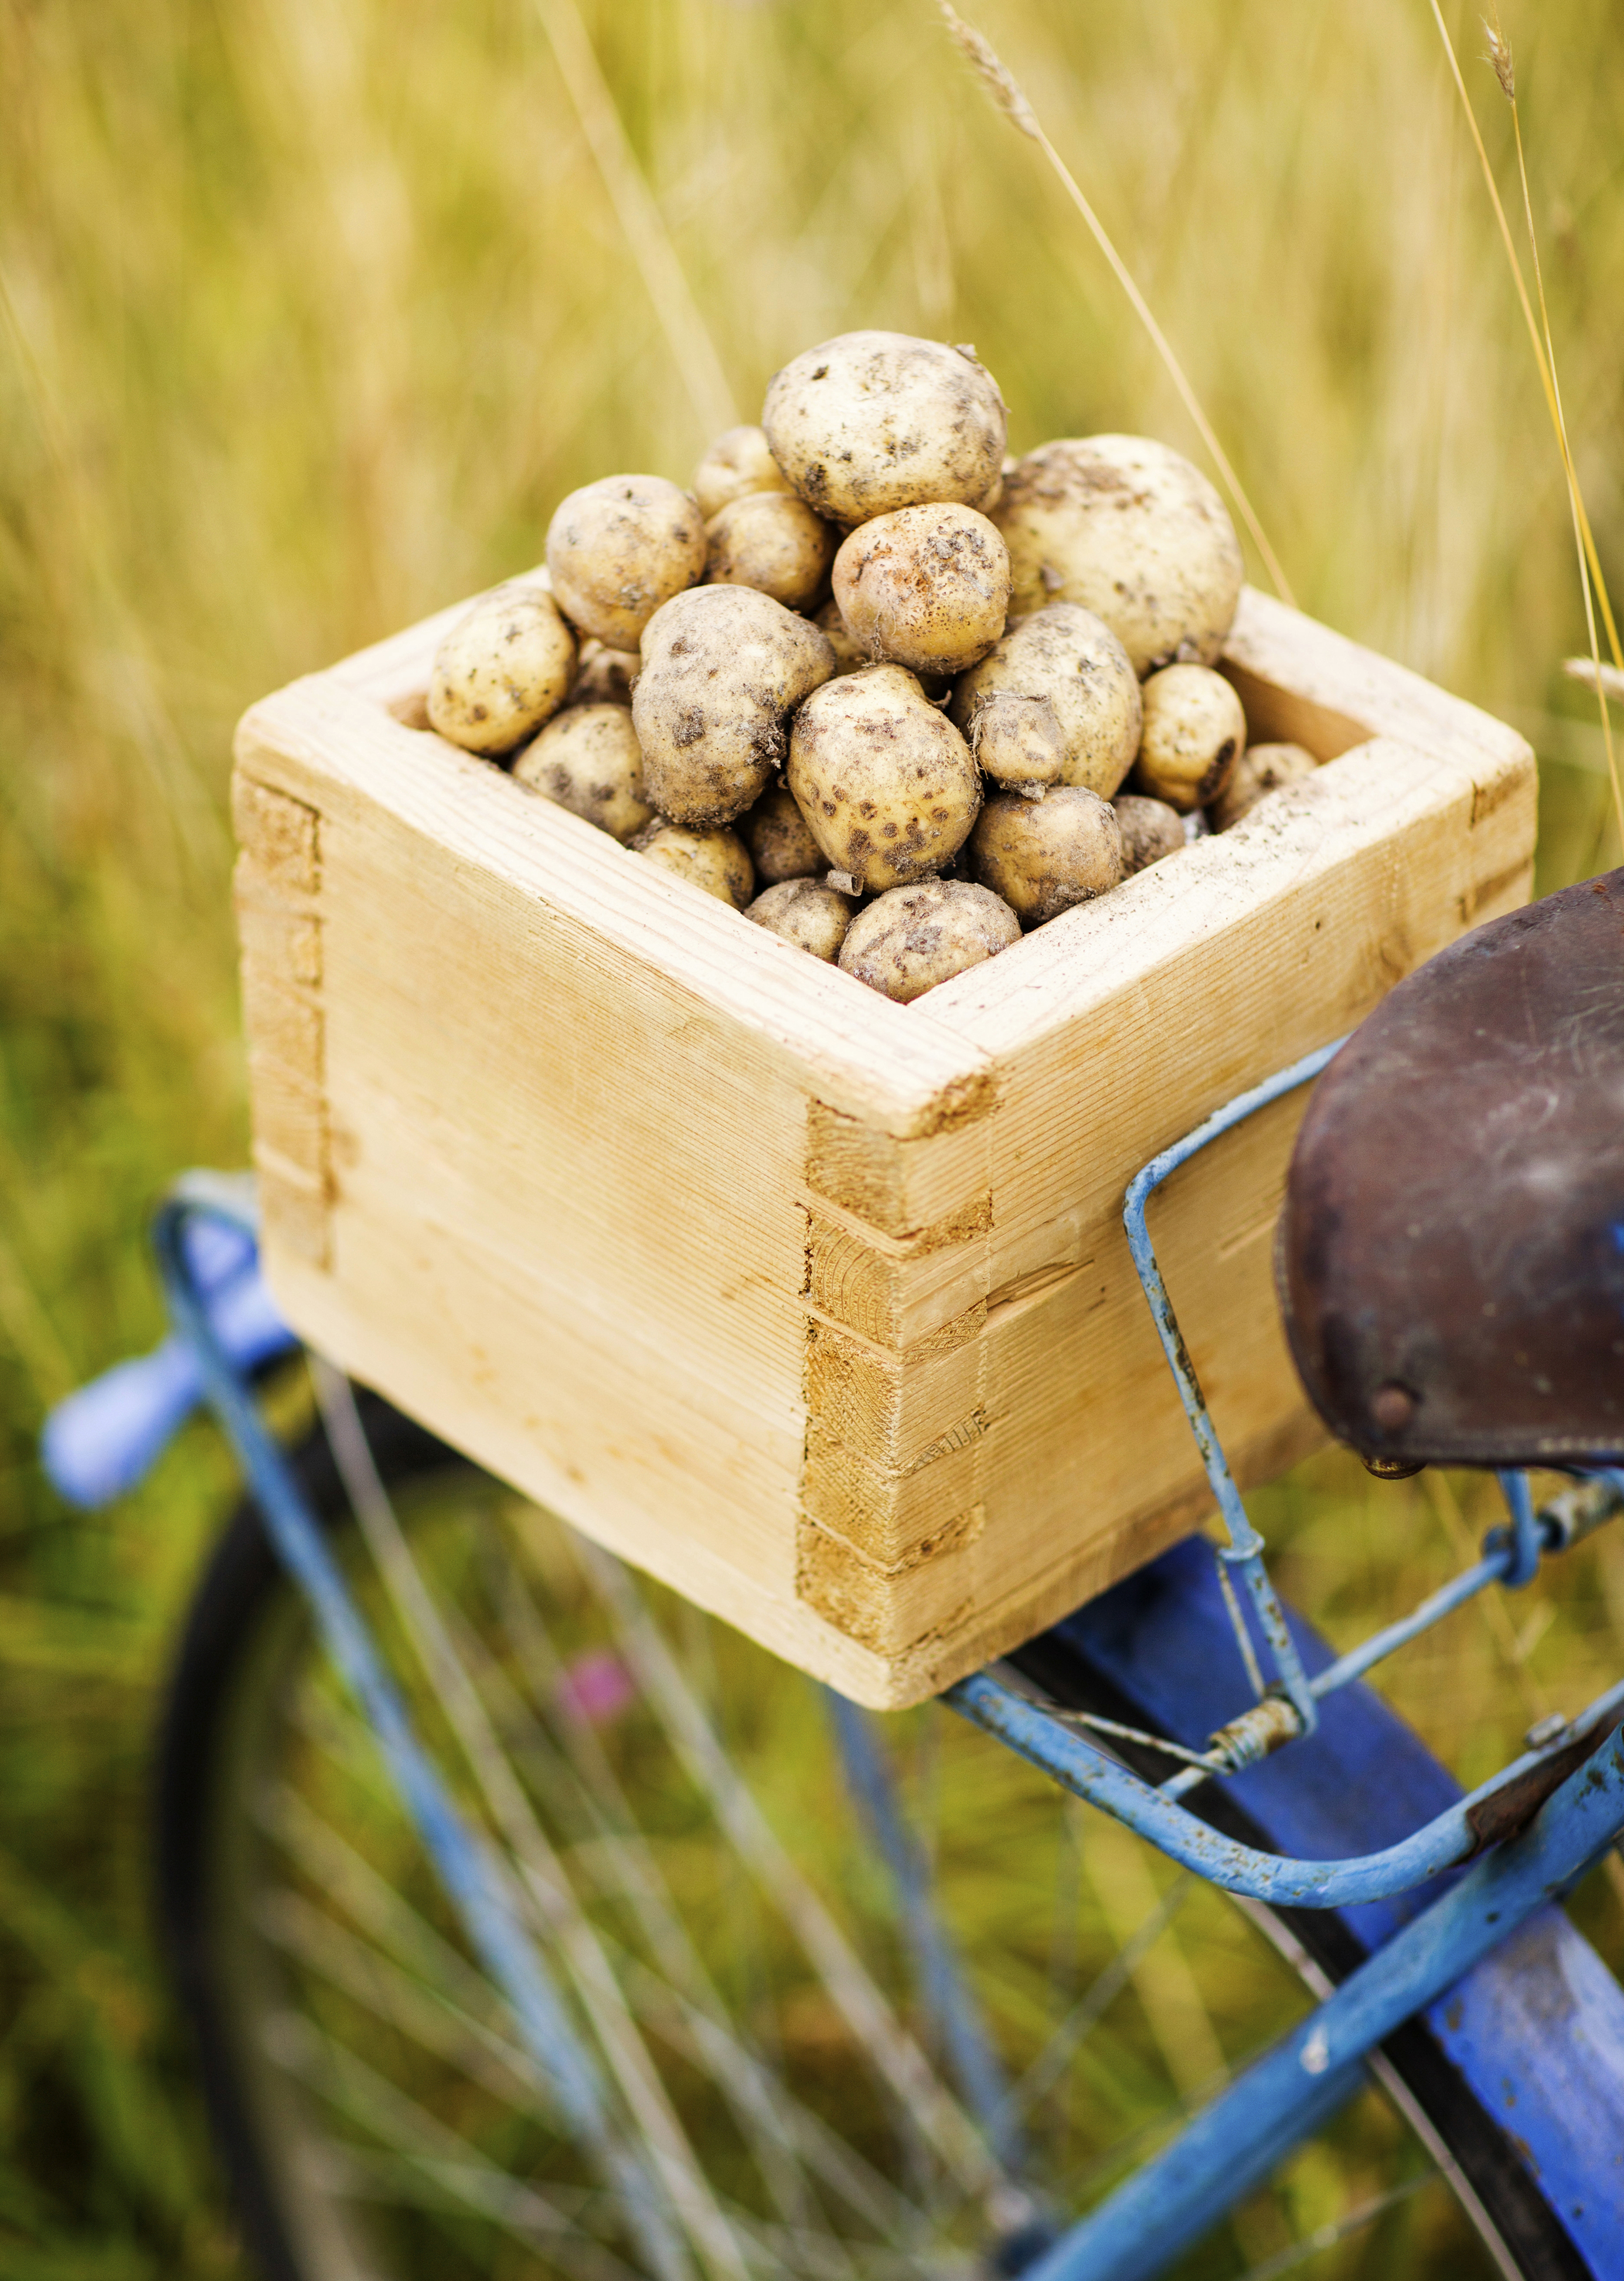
{"x":277,"y":886}
{"x":818,"y":1307}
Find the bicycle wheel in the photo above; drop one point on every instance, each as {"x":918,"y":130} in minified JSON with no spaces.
{"x":783,"y":2067}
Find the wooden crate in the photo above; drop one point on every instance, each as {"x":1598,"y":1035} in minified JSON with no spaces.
{"x":817,"y":1307}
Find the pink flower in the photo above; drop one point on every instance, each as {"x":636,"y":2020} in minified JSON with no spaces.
{"x":595,"y":1688}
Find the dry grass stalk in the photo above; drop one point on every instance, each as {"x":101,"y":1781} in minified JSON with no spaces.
{"x":1592,"y":585}
{"x":1005,"y":91}
{"x":639,"y":217}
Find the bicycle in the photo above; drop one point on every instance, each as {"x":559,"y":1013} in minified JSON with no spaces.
{"x":528,"y":2049}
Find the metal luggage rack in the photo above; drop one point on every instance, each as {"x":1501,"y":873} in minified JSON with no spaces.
{"x":1286,"y":1702}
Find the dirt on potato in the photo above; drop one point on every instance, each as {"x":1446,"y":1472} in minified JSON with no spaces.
{"x":1195,"y":733}
{"x":773,"y":542}
{"x":1044,"y":857}
{"x":908,"y":940}
{"x":804,"y":912}
{"x":737,"y":465}
{"x":618,"y":548}
{"x":886,"y":784}
{"x":588,"y":760}
{"x":721,"y":667}
{"x":1151,"y":830}
{"x":713,"y":862}
{"x":1261,"y":770}
{"x":873,"y":421}
{"x":1066,"y":655}
{"x":501,"y":671}
{"x":928,"y":587}
{"x":1128,"y":529}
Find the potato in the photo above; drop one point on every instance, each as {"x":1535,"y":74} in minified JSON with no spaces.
{"x":714,"y":862}
{"x":1132,"y":531}
{"x":1044,"y":855}
{"x":773,"y":542}
{"x":886,"y":784}
{"x":605,"y":676}
{"x":618,"y":548}
{"x":906,"y":941}
{"x":501,"y":671}
{"x":806,"y":912}
{"x":737,"y":465}
{"x":928,"y":587}
{"x":1151,"y":830}
{"x":589,"y":760}
{"x":780,"y":846}
{"x":1261,"y":769}
{"x":849,"y":656}
{"x":1018,"y":742}
{"x":1071,"y":657}
{"x":1195,"y":732}
{"x":873,"y":421}
{"x":721,"y":666}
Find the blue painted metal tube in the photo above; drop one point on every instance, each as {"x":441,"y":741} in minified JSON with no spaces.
{"x":1442,"y":1603}
{"x":1525,"y":1542}
{"x":1246,"y":1546}
{"x":1284,"y":2097}
{"x":1380,"y":1645}
{"x":1075,"y":1763}
{"x":470,"y":1877}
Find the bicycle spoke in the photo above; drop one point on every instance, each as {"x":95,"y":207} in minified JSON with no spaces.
{"x":1327,"y":2237}
{"x":427,"y":1959}
{"x":417,"y":2009}
{"x":406,"y":2129}
{"x":919,"y":2091}
{"x":623,"y":1865}
{"x":633,"y":2070}
{"x":1091,"y":2007}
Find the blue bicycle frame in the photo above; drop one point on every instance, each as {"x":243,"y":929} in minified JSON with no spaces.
{"x":1544,"y":1821}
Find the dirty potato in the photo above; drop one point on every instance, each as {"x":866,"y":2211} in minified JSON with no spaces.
{"x":618,"y":548}
{"x":849,"y":656}
{"x":589,"y":760}
{"x":501,"y":671}
{"x":928,"y":587}
{"x":721,"y":666}
{"x":714,"y":862}
{"x":772,"y":541}
{"x":1132,"y":531}
{"x":906,"y":941}
{"x":873,"y":422}
{"x":886,"y":784}
{"x":806,"y":912}
{"x":1071,"y":657}
{"x":604,"y":676}
{"x":1018,"y":742}
{"x":780,"y":846}
{"x":1151,"y":830}
{"x":737,"y":464}
{"x":1195,"y":732}
{"x":1261,"y":769}
{"x":1044,"y":855}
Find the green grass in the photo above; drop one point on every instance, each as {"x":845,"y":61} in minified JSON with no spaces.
{"x":311,"y":310}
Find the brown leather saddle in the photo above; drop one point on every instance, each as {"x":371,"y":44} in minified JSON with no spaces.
{"x":1451,"y":1259}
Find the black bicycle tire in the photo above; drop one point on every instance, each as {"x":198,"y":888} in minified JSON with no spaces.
{"x":243,"y":1581}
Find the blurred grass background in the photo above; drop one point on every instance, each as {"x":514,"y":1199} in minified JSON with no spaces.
{"x":310,"y":310}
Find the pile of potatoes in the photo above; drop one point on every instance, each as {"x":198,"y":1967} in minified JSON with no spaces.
{"x":892,"y":695}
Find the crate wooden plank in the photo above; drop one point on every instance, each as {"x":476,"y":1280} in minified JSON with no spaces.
{"x":816,"y":1306}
